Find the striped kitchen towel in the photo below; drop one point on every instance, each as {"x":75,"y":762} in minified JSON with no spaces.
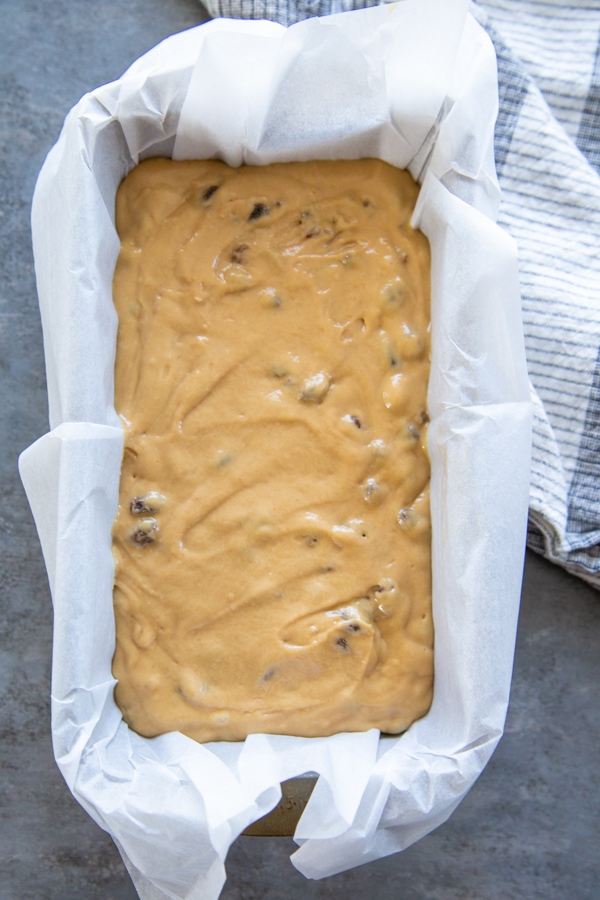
{"x":548,"y":160}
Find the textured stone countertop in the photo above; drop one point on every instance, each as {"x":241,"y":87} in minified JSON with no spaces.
{"x":529,"y":828}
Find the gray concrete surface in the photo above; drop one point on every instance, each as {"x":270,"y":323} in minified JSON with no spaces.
{"x":528,"y":829}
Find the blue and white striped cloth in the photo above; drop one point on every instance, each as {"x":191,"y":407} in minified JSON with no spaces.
{"x":548,"y":160}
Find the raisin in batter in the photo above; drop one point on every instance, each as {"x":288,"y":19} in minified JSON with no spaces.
{"x":272,"y":544}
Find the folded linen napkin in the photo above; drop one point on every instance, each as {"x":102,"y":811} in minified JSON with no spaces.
{"x":547,"y":144}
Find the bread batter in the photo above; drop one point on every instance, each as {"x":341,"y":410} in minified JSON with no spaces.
{"x":272,"y":544}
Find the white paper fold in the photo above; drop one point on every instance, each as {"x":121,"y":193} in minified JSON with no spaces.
{"x":415,"y":84}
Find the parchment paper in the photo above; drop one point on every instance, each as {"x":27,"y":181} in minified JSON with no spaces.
{"x":413,"y":83}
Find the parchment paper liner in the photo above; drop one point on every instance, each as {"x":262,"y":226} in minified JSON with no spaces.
{"x":413,"y":83}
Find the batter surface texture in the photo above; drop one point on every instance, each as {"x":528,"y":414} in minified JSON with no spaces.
{"x":272,"y":544}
